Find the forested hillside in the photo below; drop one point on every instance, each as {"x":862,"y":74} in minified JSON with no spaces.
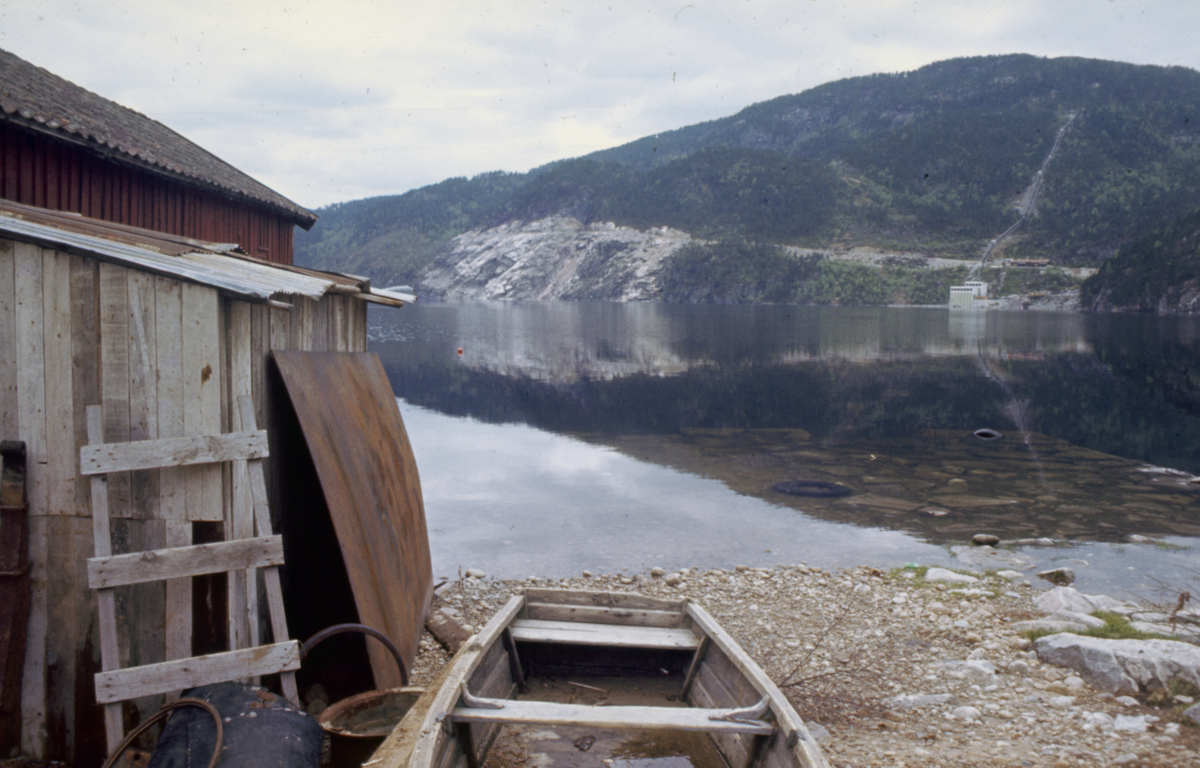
{"x":393,"y":238}
{"x":933,"y":161}
{"x":1157,"y":273}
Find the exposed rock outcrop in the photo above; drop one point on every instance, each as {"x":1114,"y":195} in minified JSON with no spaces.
{"x":553,"y":258}
{"x":1122,"y":666}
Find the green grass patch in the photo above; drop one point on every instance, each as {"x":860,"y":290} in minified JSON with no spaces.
{"x":917,"y":578}
{"x":1116,"y":627}
{"x":1168,"y":546}
{"x":918,"y":573}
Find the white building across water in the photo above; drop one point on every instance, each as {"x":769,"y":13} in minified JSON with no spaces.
{"x":968,"y":295}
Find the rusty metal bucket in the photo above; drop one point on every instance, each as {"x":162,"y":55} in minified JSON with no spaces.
{"x":359,"y":724}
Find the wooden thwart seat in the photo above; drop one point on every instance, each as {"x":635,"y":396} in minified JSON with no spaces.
{"x":642,"y":718}
{"x":264,"y":552}
{"x":508,"y":711}
{"x":580,"y":633}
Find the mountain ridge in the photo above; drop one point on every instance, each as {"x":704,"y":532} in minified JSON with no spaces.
{"x":933,"y":161}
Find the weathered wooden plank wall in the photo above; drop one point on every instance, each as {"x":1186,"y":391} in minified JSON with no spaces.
{"x":8,"y":339}
{"x":34,"y":171}
{"x":31,"y":406}
{"x":165,"y":359}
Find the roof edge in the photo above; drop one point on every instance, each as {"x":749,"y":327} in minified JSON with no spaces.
{"x":302,"y":217}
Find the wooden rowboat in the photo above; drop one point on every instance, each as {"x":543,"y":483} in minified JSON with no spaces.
{"x":614,"y":680}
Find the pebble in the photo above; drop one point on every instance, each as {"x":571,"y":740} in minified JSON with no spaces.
{"x":1135,"y":723}
{"x":1061,"y":702}
{"x":930,"y":658}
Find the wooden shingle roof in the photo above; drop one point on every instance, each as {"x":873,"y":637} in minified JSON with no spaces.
{"x":42,"y":101}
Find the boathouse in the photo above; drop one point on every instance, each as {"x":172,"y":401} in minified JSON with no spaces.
{"x":140,"y":273}
{"x":65,"y":148}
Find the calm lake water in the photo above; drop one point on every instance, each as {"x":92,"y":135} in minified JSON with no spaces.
{"x":557,"y":437}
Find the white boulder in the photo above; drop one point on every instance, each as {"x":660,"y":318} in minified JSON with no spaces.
{"x":946,"y":576}
{"x":1072,"y":600}
{"x":1122,"y":666}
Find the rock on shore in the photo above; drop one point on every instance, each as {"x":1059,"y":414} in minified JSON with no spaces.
{"x":891,"y":670}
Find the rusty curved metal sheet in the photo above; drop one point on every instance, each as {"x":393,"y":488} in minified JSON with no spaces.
{"x":365,"y":465}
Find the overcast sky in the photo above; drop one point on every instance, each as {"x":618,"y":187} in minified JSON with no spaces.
{"x":333,"y":100}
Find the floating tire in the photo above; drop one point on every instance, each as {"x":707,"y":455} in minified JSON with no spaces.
{"x":987,"y":434}
{"x":812,"y":488}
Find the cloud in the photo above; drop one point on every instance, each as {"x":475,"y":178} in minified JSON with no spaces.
{"x":330,"y":100}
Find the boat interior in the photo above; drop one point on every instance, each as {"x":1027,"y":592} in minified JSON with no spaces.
{"x":606,"y":680}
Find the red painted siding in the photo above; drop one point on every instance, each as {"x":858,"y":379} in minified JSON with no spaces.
{"x":37,"y":170}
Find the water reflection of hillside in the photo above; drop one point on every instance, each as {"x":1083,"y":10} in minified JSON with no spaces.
{"x":1069,"y":397}
{"x":566,"y":342}
{"x":710,"y":390}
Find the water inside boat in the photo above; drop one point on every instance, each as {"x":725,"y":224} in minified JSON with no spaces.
{"x":540,"y":746}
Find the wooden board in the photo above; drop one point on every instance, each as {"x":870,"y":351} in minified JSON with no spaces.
{"x":30,"y":417}
{"x":615,"y":600}
{"x":202,"y":377}
{"x":9,"y":429}
{"x":59,"y":456}
{"x":123,"y":684}
{"x":242,"y":586}
{"x":640,"y":718}
{"x":196,"y":560}
{"x":595,"y":614}
{"x":172,"y":452}
{"x":579,"y":633}
{"x":358,"y":444}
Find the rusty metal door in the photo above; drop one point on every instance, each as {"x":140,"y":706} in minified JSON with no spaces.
{"x":363,"y":459}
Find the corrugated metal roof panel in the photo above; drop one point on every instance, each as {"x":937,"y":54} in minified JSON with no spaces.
{"x":403,"y":298}
{"x":210,"y":264}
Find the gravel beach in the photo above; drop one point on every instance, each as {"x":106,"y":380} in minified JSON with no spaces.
{"x":891,"y":670}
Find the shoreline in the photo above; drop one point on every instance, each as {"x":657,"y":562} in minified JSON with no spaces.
{"x":889,"y":669}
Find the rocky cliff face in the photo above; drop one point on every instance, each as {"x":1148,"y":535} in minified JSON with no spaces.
{"x":553,"y":258}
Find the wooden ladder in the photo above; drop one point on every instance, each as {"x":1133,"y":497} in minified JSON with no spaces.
{"x":107,"y":571}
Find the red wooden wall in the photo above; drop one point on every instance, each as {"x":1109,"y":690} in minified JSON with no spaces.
{"x":37,"y":170}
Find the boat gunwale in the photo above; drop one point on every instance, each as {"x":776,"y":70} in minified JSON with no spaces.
{"x":791,"y":726}
{"x":463,"y":666}
{"x":793,"y":733}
